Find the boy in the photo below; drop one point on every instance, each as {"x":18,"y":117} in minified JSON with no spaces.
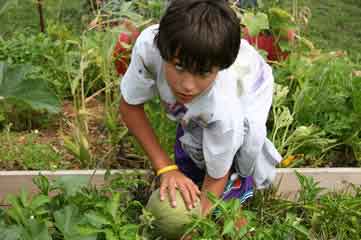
{"x":219,"y":90}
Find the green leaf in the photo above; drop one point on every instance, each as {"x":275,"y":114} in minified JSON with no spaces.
{"x":24,"y":197}
{"x":109,"y":235}
{"x":38,"y":230}
{"x":113,"y":205}
{"x":107,"y":175}
{"x":97,"y":219}
{"x":67,"y":220}
{"x":16,"y":212}
{"x":280,"y":94}
{"x":255,"y":22}
{"x":71,"y":184}
{"x":228,"y":227}
{"x":301,"y":229}
{"x":39,"y":201}
{"x":129,"y":230}
{"x":15,"y":85}
{"x":11,"y":232}
{"x":88,"y":230}
{"x":42,"y":183}
{"x":84,"y":152}
{"x":284,"y":117}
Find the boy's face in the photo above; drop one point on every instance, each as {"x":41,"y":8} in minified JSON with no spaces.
{"x":185,"y":85}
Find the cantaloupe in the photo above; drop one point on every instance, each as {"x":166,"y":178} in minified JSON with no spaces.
{"x":171,"y":222}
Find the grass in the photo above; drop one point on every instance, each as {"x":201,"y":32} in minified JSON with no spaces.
{"x":335,"y":25}
{"x":17,"y":15}
{"x":22,"y":151}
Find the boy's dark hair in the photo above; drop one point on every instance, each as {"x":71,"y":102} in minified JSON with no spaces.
{"x":201,"y":33}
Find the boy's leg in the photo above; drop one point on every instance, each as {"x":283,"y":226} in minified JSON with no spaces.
{"x":238,"y":187}
{"x":185,"y":163}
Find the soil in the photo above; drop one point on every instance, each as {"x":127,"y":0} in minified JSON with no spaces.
{"x":119,"y":157}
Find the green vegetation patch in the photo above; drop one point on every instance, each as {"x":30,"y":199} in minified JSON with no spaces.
{"x":76,"y":210}
{"x":22,"y":151}
{"x":334,"y":25}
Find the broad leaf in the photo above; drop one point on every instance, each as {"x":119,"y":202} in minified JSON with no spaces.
{"x":228,"y":227}
{"x":114,"y":204}
{"x":10,"y":232}
{"x":71,"y":184}
{"x":68,"y":220}
{"x":15,"y":85}
{"x":37,"y":230}
{"x":255,"y":22}
{"x":97,"y":219}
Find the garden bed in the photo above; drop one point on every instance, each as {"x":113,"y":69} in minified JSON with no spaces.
{"x":338,"y":179}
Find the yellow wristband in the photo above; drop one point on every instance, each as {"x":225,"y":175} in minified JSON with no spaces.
{"x":167,"y":169}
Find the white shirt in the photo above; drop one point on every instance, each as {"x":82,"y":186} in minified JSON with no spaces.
{"x":219,"y":120}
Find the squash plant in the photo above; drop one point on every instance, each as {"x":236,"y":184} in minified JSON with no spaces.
{"x":18,"y":87}
{"x":272,"y":31}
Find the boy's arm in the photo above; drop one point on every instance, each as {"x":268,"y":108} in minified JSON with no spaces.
{"x":213,"y":185}
{"x":137,"y":122}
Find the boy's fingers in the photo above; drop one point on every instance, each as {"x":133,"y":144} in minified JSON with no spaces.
{"x":186,"y":196}
{"x":194,"y":187}
{"x":198,"y":192}
{"x":193,"y":194}
{"x":172,"y":194}
{"x":162,"y":190}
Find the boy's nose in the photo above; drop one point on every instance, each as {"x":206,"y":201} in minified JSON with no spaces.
{"x":188,"y":84}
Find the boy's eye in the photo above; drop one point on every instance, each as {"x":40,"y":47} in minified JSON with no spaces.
{"x":205,"y":74}
{"x":179,"y":68}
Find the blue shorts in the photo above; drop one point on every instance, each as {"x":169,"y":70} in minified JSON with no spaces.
{"x":236,"y":187}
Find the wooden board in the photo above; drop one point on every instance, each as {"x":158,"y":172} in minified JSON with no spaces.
{"x":329,"y":178}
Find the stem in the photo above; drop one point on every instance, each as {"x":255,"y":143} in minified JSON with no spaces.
{"x":88,"y":99}
{"x":275,"y":120}
{"x":285,"y":138}
{"x":39,"y":3}
{"x":93,"y":9}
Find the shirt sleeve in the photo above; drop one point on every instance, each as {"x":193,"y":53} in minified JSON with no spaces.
{"x":138,"y":83}
{"x":257,"y":81}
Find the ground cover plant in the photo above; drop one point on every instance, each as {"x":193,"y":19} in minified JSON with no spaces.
{"x":316,"y":109}
{"x":70,"y":208}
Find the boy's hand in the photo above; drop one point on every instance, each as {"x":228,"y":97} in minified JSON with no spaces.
{"x":173,"y":180}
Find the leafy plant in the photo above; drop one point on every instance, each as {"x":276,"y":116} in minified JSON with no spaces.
{"x":328,"y":98}
{"x":314,"y":110}
{"x":75,"y":211}
{"x":22,"y":94}
{"x":47,"y":54}
{"x":83,"y":212}
{"x":17,"y":85}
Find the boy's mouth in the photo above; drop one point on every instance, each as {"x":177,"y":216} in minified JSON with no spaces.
{"x":184,"y":97}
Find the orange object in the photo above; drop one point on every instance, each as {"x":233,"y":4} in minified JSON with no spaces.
{"x":121,"y":52}
{"x":268,"y":44}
